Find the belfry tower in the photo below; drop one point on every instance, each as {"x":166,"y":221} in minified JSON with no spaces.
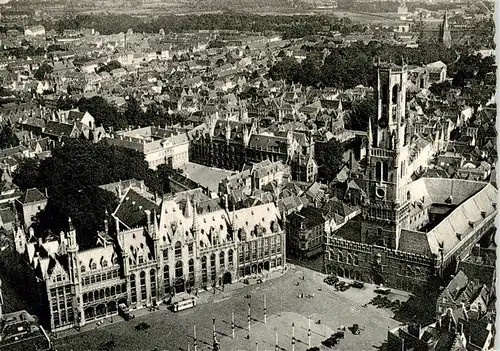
{"x":385,"y":179}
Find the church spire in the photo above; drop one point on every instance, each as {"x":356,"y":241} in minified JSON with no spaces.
{"x":445,"y":35}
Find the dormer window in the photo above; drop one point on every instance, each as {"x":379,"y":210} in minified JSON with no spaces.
{"x":82,"y":269}
{"x":140,"y":259}
{"x":104,"y":264}
{"x":93,"y":266}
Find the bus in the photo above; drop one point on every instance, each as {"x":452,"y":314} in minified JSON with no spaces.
{"x":184,"y":304}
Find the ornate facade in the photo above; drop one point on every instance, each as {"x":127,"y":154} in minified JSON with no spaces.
{"x":409,"y":231}
{"x":180,"y":245}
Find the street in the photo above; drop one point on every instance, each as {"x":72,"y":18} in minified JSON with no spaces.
{"x":174,"y":331}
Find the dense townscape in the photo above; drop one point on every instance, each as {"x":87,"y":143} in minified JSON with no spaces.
{"x":308,"y":181}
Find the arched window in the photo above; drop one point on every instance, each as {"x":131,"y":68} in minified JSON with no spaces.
{"x":212,"y":260}
{"x":93,"y":265}
{"x":356,"y":260}
{"x":385,"y":94}
{"x":222,"y":259}
{"x":230,"y":256}
{"x":133,"y":291}
{"x":178,"y":250}
{"x":378,"y":171}
{"x":349,"y":258}
{"x":385,"y":172}
{"x":166,"y":279}
{"x":152,"y":281}
{"x":395,"y":94}
{"x":178,"y":269}
{"x":340,"y":257}
{"x":191,"y":265}
{"x":143,"y":285}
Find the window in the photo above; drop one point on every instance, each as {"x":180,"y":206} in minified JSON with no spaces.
{"x":191,"y":266}
{"x":152,"y":280}
{"x":178,"y":250}
{"x":178,"y":270}
{"x":230,"y":256}
{"x":104,"y":264}
{"x":143,"y":286}
{"x":221,"y":259}
{"x":204,"y":269}
{"x":190,"y":248}
{"x":166,"y":280}
{"x":340,"y":257}
{"x":82,"y":269}
{"x":165,"y":254}
{"x":140,"y":259}
{"x":133,"y":291}
{"x":93,"y":266}
{"x":356,"y":260}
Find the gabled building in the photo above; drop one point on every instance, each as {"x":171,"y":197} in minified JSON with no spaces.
{"x":161,"y":252}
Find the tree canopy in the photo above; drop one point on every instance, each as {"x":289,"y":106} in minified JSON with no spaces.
{"x":7,"y":137}
{"x":347,"y":67}
{"x":72,"y":176}
{"x":329,"y":157}
{"x":42,"y":71}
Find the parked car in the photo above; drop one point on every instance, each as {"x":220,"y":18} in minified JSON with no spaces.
{"x":343,"y":286}
{"x":142,"y":326}
{"x":357,"y":284}
{"x":382,"y":291}
{"x":331,"y":280}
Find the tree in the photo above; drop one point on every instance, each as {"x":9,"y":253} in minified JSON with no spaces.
{"x":329,"y":158}
{"x":360,"y":112}
{"x":440,"y":89}
{"x":72,"y":176}
{"x":42,"y":71}
{"x":7,"y":138}
{"x":27,"y":175}
{"x":105,"y":114}
{"x":163,"y":173}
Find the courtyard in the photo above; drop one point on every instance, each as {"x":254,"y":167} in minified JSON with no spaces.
{"x":174,"y":331}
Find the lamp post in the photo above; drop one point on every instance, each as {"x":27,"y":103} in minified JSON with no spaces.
{"x":293,"y":336}
{"x":249,"y":317}
{"x":276,"y":347}
{"x":232,"y":323}
{"x":265,"y":310}
{"x":195,"y":341}
{"x":309,"y":330}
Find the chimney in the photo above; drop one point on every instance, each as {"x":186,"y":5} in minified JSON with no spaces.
{"x":148,"y":216}
{"x":46,"y":193}
{"x":483,"y":214}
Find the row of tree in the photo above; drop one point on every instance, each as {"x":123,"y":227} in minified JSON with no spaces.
{"x":293,"y":26}
{"x":347,"y":67}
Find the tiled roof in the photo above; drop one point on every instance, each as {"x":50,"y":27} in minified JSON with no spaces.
{"x":58,"y":129}
{"x":130,"y":211}
{"x":33,"y":195}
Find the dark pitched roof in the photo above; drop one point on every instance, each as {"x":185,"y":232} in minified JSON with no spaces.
{"x":33,"y":195}
{"x":131,"y":210}
{"x":58,"y":129}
